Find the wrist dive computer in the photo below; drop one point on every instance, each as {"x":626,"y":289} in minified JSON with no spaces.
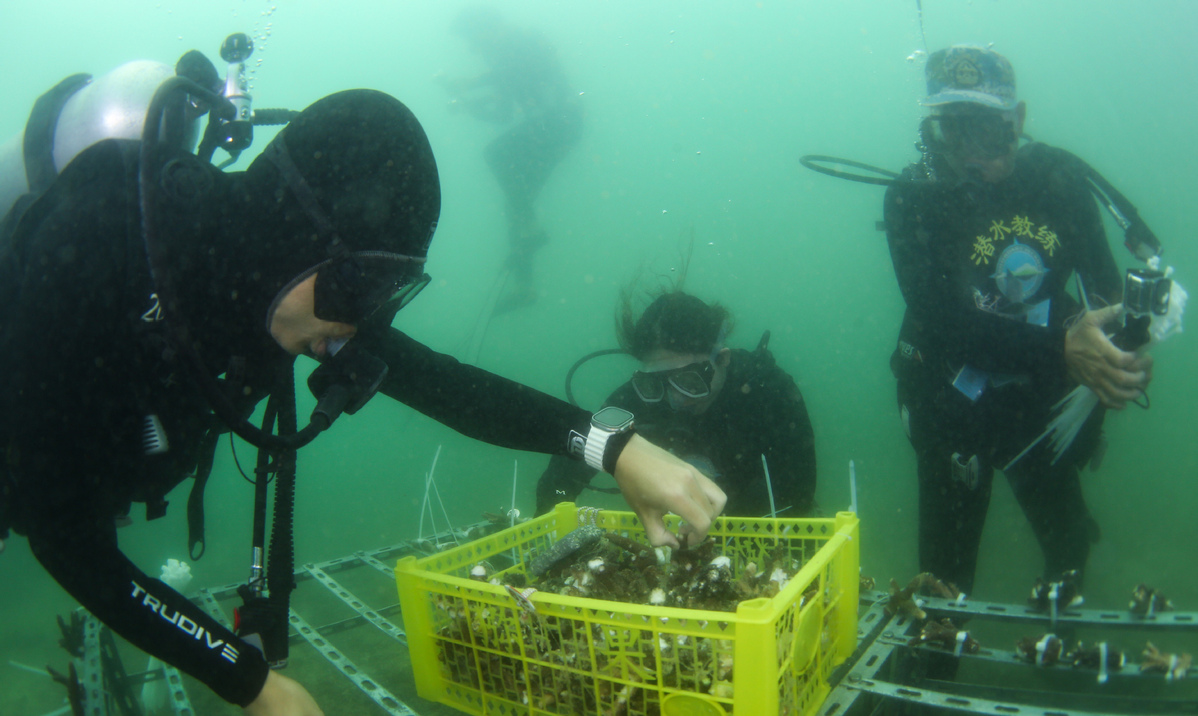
{"x":611,"y":429}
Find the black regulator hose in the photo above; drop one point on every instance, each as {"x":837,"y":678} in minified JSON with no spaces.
{"x":280,"y":565}
{"x":816,"y":162}
{"x":263,"y":617}
{"x":579,"y":363}
{"x":1138,"y":238}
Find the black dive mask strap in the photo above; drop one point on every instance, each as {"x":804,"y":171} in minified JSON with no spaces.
{"x":276,"y":152}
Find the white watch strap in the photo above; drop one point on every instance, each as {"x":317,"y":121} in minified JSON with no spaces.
{"x":596,"y":445}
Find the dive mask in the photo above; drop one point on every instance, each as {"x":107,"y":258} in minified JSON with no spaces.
{"x":984,"y":133}
{"x":352,"y":287}
{"x":692,"y":381}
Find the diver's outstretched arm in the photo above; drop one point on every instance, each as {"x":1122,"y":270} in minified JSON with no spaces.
{"x":480,"y":405}
{"x":78,"y":547}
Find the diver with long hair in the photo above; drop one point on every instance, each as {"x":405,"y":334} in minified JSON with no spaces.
{"x":720,"y":409}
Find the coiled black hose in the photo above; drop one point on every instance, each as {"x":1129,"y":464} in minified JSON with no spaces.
{"x":280,"y":565}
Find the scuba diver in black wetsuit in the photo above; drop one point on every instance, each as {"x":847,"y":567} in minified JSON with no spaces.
{"x":984,"y":236}
{"x":718,"y":408}
{"x":148,"y":303}
{"x":524,"y":90}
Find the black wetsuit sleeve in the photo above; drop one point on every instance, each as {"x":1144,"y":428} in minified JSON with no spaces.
{"x":80,"y":551}
{"x":474,"y":402}
{"x":938,"y":301}
{"x":790,"y":447}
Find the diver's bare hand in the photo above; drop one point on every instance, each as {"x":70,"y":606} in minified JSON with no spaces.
{"x":1115,"y":376}
{"x":281,"y":696}
{"x":655,"y":483}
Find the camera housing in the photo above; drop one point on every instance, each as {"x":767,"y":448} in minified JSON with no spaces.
{"x":1145,"y":294}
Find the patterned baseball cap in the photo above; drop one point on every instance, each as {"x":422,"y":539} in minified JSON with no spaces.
{"x":966,"y":73}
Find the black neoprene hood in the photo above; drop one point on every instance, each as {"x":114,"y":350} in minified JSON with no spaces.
{"x":371,"y":186}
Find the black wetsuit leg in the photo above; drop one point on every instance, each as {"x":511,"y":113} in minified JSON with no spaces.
{"x":952,"y":502}
{"x":946,"y":428}
{"x":1051,"y":495}
{"x":1052,"y":500}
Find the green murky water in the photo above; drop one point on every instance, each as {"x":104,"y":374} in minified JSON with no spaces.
{"x":696,"y":114}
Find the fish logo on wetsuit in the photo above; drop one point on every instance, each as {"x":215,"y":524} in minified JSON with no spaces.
{"x":1019,"y":270}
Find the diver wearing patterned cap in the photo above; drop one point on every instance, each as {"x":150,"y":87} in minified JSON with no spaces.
{"x":985,"y":236}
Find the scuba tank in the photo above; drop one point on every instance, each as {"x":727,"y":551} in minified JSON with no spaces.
{"x":80,"y":111}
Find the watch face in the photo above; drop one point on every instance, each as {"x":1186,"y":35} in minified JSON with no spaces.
{"x":612,"y":418}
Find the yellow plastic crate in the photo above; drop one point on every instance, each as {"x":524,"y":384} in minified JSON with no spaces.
{"x":476,"y":649}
